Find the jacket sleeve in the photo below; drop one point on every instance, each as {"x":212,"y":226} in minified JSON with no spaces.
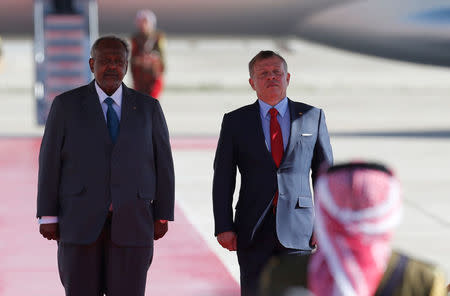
{"x":323,"y":154}
{"x":165,"y":176}
{"x":50,"y":161}
{"x":224,"y":180}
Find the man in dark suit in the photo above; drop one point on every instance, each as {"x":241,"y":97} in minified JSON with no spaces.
{"x":275,"y":143}
{"x":106,"y":179}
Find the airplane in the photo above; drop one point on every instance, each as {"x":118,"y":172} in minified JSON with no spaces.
{"x":409,"y":30}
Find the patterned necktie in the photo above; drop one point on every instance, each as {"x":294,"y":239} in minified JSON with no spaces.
{"x":276,"y":144}
{"x":112,"y":121}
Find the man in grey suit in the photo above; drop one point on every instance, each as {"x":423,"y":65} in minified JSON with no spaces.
{"x":106,"y":179}
{"x":275,"y":143}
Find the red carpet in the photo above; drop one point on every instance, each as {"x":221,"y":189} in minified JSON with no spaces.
{"x":183,"y":264}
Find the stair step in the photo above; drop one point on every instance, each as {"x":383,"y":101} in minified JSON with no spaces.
{"x":74,"y":34}
{"x":59,"y":50}
{"x":53,"y":66}
{"x":63,"y":20}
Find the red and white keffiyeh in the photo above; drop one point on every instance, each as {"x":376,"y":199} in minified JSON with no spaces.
{"x":357,"y":209}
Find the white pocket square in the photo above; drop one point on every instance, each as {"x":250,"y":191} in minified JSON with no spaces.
{"x":306,"y":135}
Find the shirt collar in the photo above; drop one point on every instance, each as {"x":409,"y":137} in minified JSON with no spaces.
{"x":116,"y":96}
{"x":281,"y":107}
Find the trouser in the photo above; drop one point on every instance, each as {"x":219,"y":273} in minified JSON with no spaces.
{"x":103,"y":267}
{"x":253,"y":259}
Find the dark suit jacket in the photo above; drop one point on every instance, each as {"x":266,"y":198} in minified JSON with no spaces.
{"x":242,"y":146}
{"x":81,"y":172}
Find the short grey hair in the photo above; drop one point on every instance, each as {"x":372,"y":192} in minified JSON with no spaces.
{"x":112,"y":38}
{"x":262,"y":55}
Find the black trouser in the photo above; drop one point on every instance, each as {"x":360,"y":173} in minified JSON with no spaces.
{"x":253,"y":259}
{"x":103,"y":267}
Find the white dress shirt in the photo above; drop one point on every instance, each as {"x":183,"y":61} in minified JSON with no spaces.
{"x":283,"y":117}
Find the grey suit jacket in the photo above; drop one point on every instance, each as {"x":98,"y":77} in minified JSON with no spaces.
{"x":81,"y":172}
{"x":242,"y":146}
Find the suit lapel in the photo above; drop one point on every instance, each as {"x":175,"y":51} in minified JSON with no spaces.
{"x":296,"y":125}
{"x":127,"y":117}
{"x":259,"y":137}
{"x":95,"y":119}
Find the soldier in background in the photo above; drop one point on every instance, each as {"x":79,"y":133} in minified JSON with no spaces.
{"x":147,"y":55}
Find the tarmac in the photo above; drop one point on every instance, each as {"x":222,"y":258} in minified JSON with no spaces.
{"x":376,"y":109}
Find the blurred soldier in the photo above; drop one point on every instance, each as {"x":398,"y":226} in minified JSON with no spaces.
{"x":357,"y":207}
{"x":147,"y":55}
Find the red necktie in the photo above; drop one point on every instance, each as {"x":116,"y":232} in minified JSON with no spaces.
{"x":276,"y":143}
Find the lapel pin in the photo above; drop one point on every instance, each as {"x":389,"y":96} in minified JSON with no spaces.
{"x":300,"y":113}
{"x":134,"y":107}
